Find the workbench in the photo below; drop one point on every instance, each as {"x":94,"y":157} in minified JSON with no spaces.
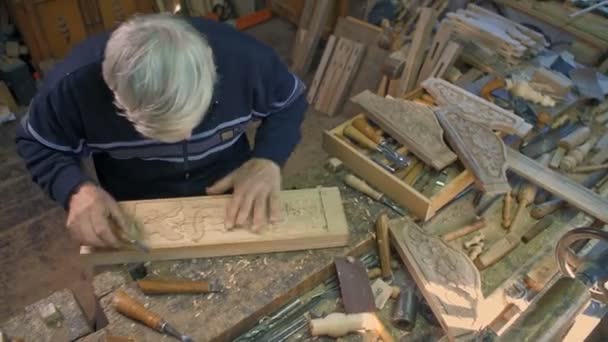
{"x":258,"y":285}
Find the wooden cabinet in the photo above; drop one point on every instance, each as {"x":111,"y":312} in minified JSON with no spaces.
{"x":51,"y":27}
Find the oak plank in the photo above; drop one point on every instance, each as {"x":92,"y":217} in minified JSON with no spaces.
{"x":193,"y":227}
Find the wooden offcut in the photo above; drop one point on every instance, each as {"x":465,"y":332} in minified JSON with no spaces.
{"x":440,"y":41}
{"x":320,"y":73}
{"x":308,"y":42}
{"x":422,"y":35}
{"x":193,"y":227}
{"x":446,"y":60}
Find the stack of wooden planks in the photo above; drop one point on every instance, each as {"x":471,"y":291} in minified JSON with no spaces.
{"x":423,"y":61}
{"x":312,"y":23}
{"x":509,"y":39}
{"x":351,"y":63}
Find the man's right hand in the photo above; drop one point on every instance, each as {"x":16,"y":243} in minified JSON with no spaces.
{"x":90,"y":215}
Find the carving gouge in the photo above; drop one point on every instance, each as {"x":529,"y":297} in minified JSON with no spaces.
{"x":364,"y":127}
{"x":135,"y":310}
{"x":130,"y":234}
{"x":356,"y":135}
{"x":363,"y":187}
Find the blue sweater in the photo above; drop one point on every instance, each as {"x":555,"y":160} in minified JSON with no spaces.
{"x":73,"y":116}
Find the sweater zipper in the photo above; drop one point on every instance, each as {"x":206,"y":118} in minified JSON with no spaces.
{"x":186,"y":166}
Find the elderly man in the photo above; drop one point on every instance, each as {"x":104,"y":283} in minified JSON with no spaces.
{"x":161,"y":104}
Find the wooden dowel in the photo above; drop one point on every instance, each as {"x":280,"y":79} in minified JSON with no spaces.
{"x":468,"y":229}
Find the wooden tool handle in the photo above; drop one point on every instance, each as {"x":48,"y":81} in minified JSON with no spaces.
{"x":158,"y":286}
{"x":339,"y":324}
{"x":575,"y":138}
{"x":468,"y":229}
{"x":360,"y":185}
{"x":364,"y":127}
{"x":358,"y":137}
{"x":384,"y":246}
{"x":497,"y":251}
{"x":135,"y":310}
{"x":506,"y":210}
{"x":541,"y":210}
{"x":526,"y":194}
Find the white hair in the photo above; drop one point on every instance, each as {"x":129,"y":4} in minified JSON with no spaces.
{"x":162,"y":73}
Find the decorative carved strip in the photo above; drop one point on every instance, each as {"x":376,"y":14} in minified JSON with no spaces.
{"x":479,"y":149}
{"x":475,"y":108}
{"x":411,"y":124}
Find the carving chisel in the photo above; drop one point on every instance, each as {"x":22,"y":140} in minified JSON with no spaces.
{"x":130,"y":234}
{"x":363,"y":187}
{"x":364,"y":127}
{"x":356,"y":135}
{"x":135,"y":310}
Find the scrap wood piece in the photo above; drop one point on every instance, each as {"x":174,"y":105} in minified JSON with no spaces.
{"x":327,"y":53}
{"x":421,"y":36}
{"x":411,"y":124}
{"x":357,"y":30}
{"x":448,"y":57}
{"x":347,"y":76}
{"x":475,"y":108}
{"x":332,"y":74}
{"x":310,"y":40}
{"x":193,"y":227}
{"x":447,"y":278}
{"x":440,"y":41}
{"x":479,"y":149}
{"x":559,"y":185}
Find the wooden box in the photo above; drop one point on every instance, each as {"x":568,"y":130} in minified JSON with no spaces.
{"x":405,"y":195}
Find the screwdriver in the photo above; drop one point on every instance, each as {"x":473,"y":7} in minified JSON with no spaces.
{"x":360,"y":185}
{"x":356,"y":135}
{"x":135,"y":310}
{"x":364,"y":127}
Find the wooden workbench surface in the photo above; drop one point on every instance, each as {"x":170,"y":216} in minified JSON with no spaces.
{"x":255,"y":285}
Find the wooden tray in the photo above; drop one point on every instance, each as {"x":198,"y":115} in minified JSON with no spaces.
{"x":419,"y":205}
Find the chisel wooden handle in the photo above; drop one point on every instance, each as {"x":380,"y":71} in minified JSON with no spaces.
{"x":363,"y":187}
{"x":338,"y":324}
{"x":541,"y":210}
{"x":575,"y":138}
{"x":158,"y":286}
{"x":506,"y":210}
{"x":135,"y":310}
{"x":496,"y":252}
{"x":384,"y":250}
{"x":364,"y":127}
{"x":360,"y":138}
{"x":468,"y":229}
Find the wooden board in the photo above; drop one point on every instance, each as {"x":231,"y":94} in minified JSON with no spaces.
{"x":332,"y":74}
{"x":447,"y":278}
{"x":422,"y":35}
{"x":327,"y":53}
{"x":348,"y":73}
{"x":307,"y":49}
{"x":475,"y":108}
{"x":559,"y":185}
{"x":193,"y":227}
{"x":479,"y":149}
{"x":411,"y":124}
{"x":357,"y":30}
{"x":440,"y":41}
{"x":446,"y":60}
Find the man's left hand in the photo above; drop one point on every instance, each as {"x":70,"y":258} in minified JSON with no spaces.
{"x":256,"y":186}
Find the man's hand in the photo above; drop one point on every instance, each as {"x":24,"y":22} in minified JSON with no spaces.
{"x":256,"y":187}
{"x":90,"y":216}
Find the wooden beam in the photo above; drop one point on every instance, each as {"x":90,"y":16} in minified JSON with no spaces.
{"x":424,"y":26}
{"x":559,"y":185}
{"x":193,"y":227}
{"x":440,"y":41}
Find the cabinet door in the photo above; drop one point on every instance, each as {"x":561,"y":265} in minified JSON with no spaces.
{"x":60,"y":21}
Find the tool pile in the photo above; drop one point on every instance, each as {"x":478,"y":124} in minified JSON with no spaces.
{"x":511,"y":40}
